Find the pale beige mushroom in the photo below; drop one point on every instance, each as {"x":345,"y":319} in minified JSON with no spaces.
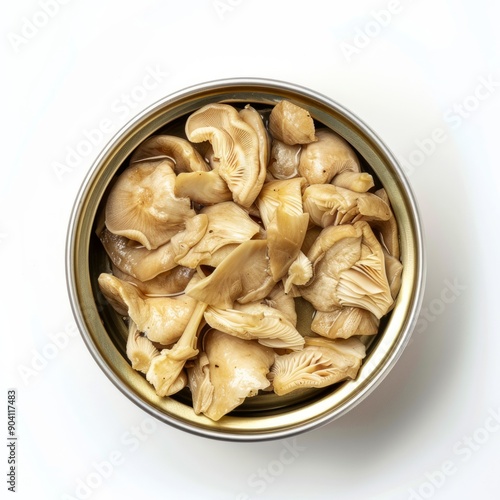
{"x":205,"y":188}
{"x":139,"y":349}
{"x":256,"y":321}
{"x":179,"y":151}
{"x":360,"y":182}
{"x":172,"y":282}
{"x":328,"y":205}
{"x":227,"y":224}
{"x":161,"y":319}
{"x":284,"y":162}
{"x":321,"y":363}
{"x":344,"y":322}
{"x":349,"y":270}
{"x":238,"y":370}
{"x":168,"y":367}
{"x":280,"y":205}
{"x":243,"y":275}
{"x":329,"y":156}
{"x":291,"y":124}
{"x":142,"y":205}
{"x":236,"y":146}
{"x":144,"y":264}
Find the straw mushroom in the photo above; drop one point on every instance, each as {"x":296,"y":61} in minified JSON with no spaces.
{"x":329,"y":156}
{"x":291,"y":124}
{"x":142,"y":205}
{"x":321,"y":363}
{"x":235,"y":144}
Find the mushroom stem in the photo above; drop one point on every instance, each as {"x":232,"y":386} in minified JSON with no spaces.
{"x":166,"y":368}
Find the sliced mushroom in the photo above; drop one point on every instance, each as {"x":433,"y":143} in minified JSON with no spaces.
{"x":236,"y":146}
{"x":280,"y":205}
{"x":329,"y":156}
{"x":142,"y":205}
{"x":144,"y":264}
{"x":181,"y":152}
{"x":161,"y":319}
{"x":205,"y":188}
{"x":284,"y":162}
{"x":349,"y":270}
{"x":291,"y":124}
{"x":227,"y":224}
{"x":256,"y":321}
{"x":166,"y":368}
{"x":172,"y":282}
{"x":328,"y":205}
{"x":140,"y":350}
{"x":360,"y":182}
{"x":238,"y":370}
{"x":321,"y":363}
{"x":344,"y":322}
{"x":243,"y":275}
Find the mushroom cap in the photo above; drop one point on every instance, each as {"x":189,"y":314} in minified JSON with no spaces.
{"x":360,"y":182}
{"x":238,"y":370}
{"x":291,"y":124}
{"x":321,"y":363}
{"x":205,"y":188}
{"x":162,"y":319}
{"x":182,"y":154}
{"x":235,"y":144}
{"x":329,"y":156}
{"x":144,"y":264}
{"x":284,"y":161}
{"x":242,"y":275}
{"x":142,"y":205}
{"x":328,"y":205}
{"x":344,"y":322}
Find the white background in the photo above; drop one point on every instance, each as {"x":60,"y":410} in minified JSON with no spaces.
{"x":429,"y":430}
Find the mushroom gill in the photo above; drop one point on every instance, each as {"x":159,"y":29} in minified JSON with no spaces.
{"x":142,"y":205}
{"x":139,"y":349}
{"x":321,"y":363}
{"x":235,"y":145}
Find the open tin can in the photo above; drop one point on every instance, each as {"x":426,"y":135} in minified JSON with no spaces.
{"x":265,"y":416}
